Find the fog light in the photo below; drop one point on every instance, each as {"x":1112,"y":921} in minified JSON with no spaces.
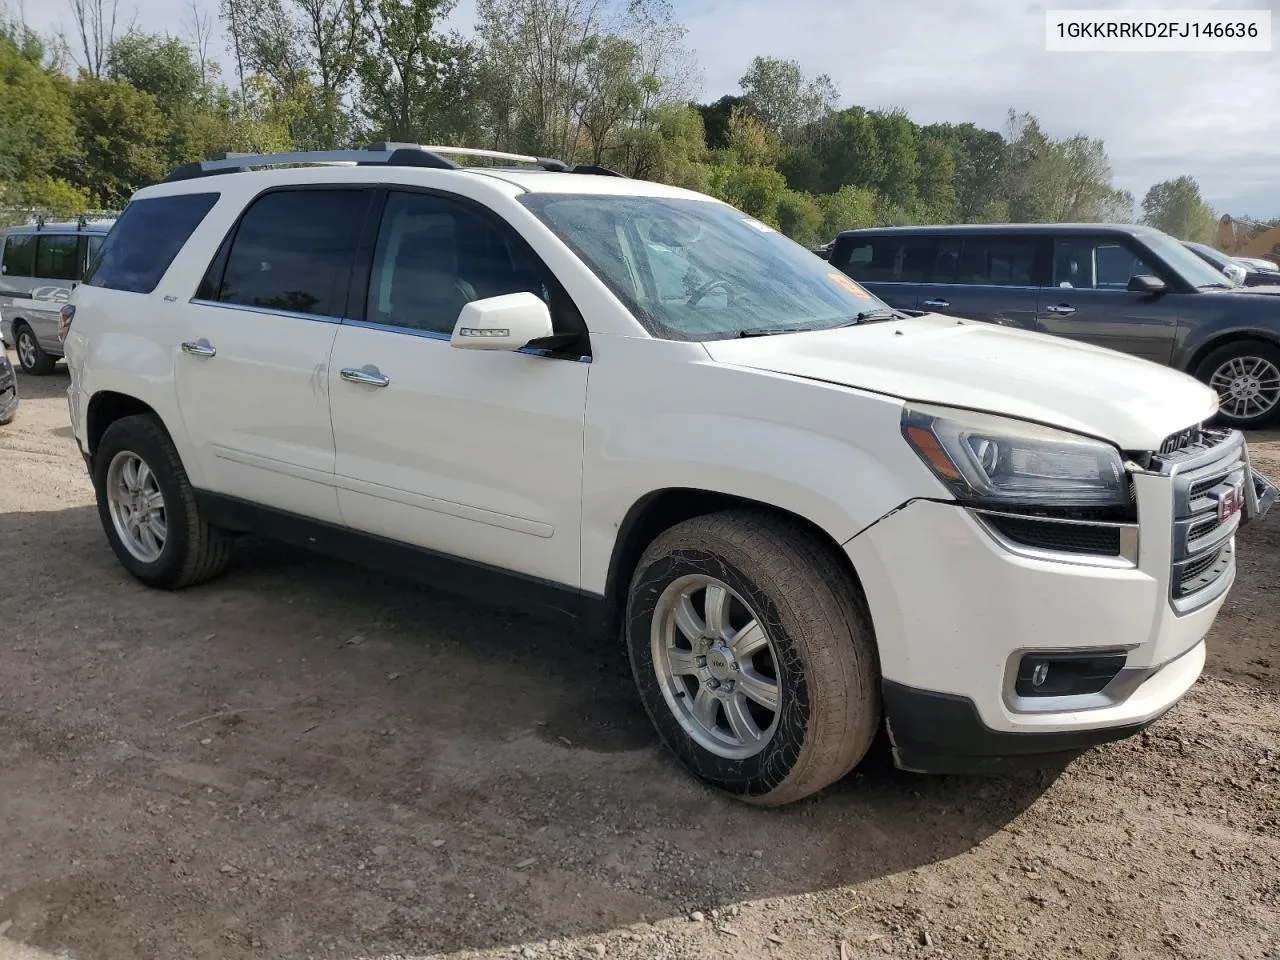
{"x":1067,"y":674}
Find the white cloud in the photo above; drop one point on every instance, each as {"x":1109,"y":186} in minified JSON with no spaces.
{"x":1215,"y":117}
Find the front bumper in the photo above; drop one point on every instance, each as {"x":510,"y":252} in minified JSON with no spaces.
{"x":8,"y":392}
{"x":957,"y":608}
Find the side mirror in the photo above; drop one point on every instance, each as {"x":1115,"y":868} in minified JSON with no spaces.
{"x":502,"y":323}
{"x":1145,"y":283}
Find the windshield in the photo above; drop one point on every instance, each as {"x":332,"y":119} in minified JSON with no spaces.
{"x":1185,"y":263}
{"x":700,"y":270}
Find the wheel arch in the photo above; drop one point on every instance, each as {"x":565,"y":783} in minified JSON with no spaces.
{"x":662,"y":509}
{"x":1225,"y":339}
{"x":106,"y":407}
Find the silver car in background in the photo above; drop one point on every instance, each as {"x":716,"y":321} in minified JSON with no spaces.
{"x":40,"y":263}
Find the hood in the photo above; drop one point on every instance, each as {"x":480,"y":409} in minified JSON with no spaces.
{"x":1133,"y":403}
{"x":1266,"y":289}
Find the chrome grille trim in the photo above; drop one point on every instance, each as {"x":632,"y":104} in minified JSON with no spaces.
{"x":1203,"y":549}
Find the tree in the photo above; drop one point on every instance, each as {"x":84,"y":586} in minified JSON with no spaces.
{"x":37,"y":132}
{"x":800,"y":217}
{"x":936,"y":200}
{"x":849,"y":208}
{"x":121,"y":132}
{"x":896,"y":135}
{"x":715,"y":119}
{"x":415,"y":84}
{"x":159,"y":65}
{"x":1175,"y":207}
{"x":612,"y":90}
{"x":535,"y":54}
{"x":199,"y":31}
{"x":782,"y":99}
{"x":96,"y":22}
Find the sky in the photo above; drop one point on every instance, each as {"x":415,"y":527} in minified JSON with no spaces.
{"x":1161,"y":115}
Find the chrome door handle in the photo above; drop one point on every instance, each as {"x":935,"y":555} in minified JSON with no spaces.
{"x":937,"y":304}
{"x":199,"y":348}
{"x":369,"y":376}
{"x":1061,"y":309}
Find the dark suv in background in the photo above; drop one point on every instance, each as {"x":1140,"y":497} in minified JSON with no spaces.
{"x":1127,"y":287}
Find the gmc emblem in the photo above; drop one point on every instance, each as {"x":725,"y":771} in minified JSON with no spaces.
{"x":1230,"y":502}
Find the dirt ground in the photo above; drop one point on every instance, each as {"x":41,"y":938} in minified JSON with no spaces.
{"x":306,"y":760}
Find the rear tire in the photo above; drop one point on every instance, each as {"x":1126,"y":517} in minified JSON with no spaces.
{"x":696,"y":592}
{"x":1246,"y":376}
{"x":31,"y":356}
{"x":170,"y":545}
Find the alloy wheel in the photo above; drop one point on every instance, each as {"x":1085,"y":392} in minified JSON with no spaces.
{"x":136,"y":506}
{"x":27,"y":350}
{"x":717,"y":667}
{"x":1248,"y":387}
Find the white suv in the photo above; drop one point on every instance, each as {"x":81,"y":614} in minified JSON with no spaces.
{"x":805,"y":516}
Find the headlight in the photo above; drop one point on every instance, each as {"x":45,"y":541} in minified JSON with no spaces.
{"x":996,"y":462}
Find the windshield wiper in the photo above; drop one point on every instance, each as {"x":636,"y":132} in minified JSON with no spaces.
{"x":866,"y":316}
{"x":770,"y":331}
{"x":871,"y":316}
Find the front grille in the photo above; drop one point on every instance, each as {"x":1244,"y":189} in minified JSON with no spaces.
{"x":1047,"y":534}
{"x":1206,"y":473}
{"x":1181,"y":440}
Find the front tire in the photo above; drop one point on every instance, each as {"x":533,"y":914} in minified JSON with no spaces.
{"x":31,"y":356}
{"x":1246,"y":377}
{"x":148,"y":508}
{"x":754,"y":655}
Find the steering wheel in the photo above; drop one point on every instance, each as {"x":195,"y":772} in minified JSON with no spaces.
{"x":709,"y":287}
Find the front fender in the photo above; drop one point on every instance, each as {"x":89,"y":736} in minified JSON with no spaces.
{"x":829,"y":454}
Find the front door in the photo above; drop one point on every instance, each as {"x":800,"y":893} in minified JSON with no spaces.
{"x":472,"y":454}
{"x":1089,"y":299}
{"x":253,"y":366}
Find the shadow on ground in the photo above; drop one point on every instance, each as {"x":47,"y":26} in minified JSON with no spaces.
{"x":305,"y":756}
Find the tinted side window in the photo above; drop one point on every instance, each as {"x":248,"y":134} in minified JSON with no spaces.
{"x":885,"y":259}
{"x":293,"y":251}
{"x":20,"y":255}
{"x":1116,"y":264}
{"x":435,"y":255}
{"x":56,"y":256}
{"x":146,"y":238}
{"x":999,"y":261}
{"x":946,"y":261}
{"x":92,"y":247}
{"x":1090,"y":262}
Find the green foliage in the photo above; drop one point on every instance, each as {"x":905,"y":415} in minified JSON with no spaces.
{"x":122,"y":135}
{"x":1175,"y":207}
{"x":800,"y":217}
{"x":849,"y":208}
{"x":36,"y":129}
{"x":582,"y":80}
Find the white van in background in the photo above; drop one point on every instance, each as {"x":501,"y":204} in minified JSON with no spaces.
{"x":40,"y":264}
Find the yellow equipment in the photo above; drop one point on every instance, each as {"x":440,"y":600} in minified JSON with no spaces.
{"x":1244,"y":238}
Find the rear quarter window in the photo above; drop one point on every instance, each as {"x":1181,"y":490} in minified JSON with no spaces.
{"x":145,"y":239}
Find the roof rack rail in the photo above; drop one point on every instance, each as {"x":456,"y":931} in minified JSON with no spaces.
{"x":381,"y":153}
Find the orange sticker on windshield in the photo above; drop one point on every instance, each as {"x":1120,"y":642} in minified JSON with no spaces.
{"x":849,"y":285}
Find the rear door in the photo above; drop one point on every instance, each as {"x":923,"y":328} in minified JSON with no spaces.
{"x":253,"y":366}
{"x":987,"y":277}
{"x":57,"y":267}
{"x":889,"y":265}
{"x":1089,"y":298}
